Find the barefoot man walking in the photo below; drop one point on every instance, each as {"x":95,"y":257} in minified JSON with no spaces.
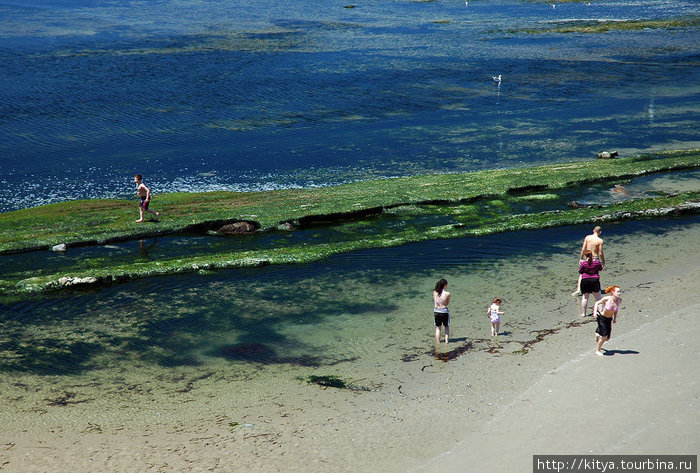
{"x":144,"y":194}
{"x":594,"y":244}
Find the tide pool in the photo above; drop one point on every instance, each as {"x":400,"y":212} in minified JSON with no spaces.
{"x":330,"y":315}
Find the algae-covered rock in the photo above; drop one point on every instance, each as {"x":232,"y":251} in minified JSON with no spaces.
{"x":239,"y":228}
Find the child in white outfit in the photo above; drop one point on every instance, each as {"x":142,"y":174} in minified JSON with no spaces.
{"x":494,"y":313}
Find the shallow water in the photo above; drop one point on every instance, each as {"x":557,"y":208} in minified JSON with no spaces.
{"x":338,"y":315}
{"x":249,"y":95}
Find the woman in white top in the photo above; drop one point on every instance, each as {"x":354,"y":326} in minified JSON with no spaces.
{"x":442,"y":314}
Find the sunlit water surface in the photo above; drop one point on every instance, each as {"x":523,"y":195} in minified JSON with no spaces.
{"x":206,"y":95}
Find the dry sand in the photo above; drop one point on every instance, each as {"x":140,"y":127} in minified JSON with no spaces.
{"x":641,"y":399}
{"x":482,"y":411}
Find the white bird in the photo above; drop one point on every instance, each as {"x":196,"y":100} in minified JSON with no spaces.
{"x":466,"y":3}
{"x":497,"y":78}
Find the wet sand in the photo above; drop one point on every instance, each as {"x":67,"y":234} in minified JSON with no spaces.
{"x":488,"y":409}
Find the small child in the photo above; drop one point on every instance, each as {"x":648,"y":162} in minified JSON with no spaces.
{"x":145,"y":194}
{"x":494,"y":313}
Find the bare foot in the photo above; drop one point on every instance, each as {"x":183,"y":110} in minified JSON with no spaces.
{"x":583,"y":315}
{"x":577,"y":292}
{"x":141,"y":220}
{"x":599,"y":353}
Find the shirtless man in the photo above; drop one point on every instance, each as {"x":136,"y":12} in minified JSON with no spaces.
{"x":592,"y":243}
{"x":145,"y":194}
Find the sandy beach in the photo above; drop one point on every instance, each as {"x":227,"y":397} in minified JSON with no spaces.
{"x":640,"y":399}
{"x":488,"y":409}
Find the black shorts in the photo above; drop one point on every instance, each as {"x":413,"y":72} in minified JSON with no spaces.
{"x":604,"y":326}
{"x":442,"y":319}
{"x":144,"y":203}
{"x":589,"y":285}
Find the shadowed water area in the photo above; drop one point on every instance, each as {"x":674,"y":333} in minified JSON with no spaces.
{"x":243,"y":95}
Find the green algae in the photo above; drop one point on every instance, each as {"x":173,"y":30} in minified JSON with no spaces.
{"x":373,"y":214}
{"x":327,"y":381}
{"x":109,"y":220}
{"x":604,"y":26}
{"x":304,"y":253}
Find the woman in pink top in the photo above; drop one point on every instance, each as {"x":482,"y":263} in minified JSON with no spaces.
{"x":590,"y":280}
{"x":607,"y":316}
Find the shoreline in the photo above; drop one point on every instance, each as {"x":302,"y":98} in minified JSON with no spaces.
{"x":639,"y":399}
{"x":428,"y":415}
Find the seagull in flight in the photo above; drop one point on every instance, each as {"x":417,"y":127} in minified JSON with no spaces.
{"x":497,"y":78}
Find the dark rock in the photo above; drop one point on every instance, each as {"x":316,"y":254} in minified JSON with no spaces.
{"x":239,"y":228}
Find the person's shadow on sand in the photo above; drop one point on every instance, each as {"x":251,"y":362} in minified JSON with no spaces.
{"x":620,"y":352}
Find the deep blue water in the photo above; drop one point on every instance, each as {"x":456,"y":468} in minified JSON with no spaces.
{"x":244,"y":95}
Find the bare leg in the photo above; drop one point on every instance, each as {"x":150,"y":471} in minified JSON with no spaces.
{"x":437,"y":334}
{"x":584,"y":304}
{"x":600,"y":346}
{"x":140,"y":214}
{"x":447,"y":334}
{"x":577,"y":292}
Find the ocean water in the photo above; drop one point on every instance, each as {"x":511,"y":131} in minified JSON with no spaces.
{"x":241,"y":95}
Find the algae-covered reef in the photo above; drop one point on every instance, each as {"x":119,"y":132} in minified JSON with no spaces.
{"x":309,"y":224}
{"x":604,"y":26}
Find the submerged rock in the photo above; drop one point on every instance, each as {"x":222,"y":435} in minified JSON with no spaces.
{"x":578,"y":205}
{"x":286,"y":227}
{"x":258,"y":352}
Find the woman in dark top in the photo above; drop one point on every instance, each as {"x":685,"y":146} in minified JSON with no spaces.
{"x":442,"y":314}
{"x":590,"y":280}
